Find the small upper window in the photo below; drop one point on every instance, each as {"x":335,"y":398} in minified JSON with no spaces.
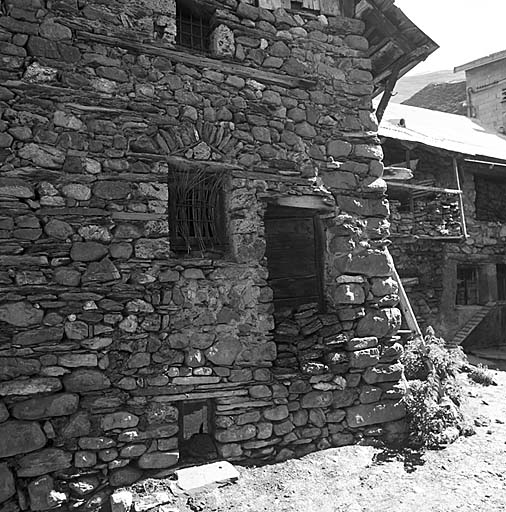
{"x":197,"y":211}
{"x":193,"y":26}
{"x":489,"y":201}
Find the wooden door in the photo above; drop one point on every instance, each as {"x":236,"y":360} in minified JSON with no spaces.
{"x":294,"y":256}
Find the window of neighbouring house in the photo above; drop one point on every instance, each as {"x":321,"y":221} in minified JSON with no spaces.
{"x":501,"y":281}
{"x":467,"y":285}
{"x":489,"y":202}
{"x":193,"y":26}
{"x":197,"y":211}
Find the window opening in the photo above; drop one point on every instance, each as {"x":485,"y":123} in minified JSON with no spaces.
{"x":195,"y":431}
{"x":193,"y":27}
{"x":489,"y":201}
{"x":501,"y":281}
{"x":467,"y":285}
{"x":196,"y":209}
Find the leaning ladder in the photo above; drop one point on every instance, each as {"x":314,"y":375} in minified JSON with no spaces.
{"x":405,"y":305}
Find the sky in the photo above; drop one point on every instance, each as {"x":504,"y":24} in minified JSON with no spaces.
{"x":465,"y":30}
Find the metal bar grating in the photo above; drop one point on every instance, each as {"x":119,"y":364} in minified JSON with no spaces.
{"x":192,"y":30}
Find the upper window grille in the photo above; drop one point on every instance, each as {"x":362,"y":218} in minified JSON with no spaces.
{"x":193,"y":27}
{"x":197,"y":212}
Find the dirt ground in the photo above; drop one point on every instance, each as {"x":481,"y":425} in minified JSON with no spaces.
{"x":469,"y":475}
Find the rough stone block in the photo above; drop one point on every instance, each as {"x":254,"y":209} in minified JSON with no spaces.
{"x":83,"y":380}
{"x":158,"y":460}
{"x":7,"y":486}
{"x":235,"y":434}
{"x":20,"y":437}
{"x":370,"y":264}
{"x":383,"y":373}
{"x":364,"y":358}
{"x":119,"y":420}
{"x":361,"y":343}
{"x":20,"y":314}
{"x":316,"y":399}
{"x":43,"y":462}
{"x":380,"y":323}
{"x":33,"y":386}
{"x":62,"y":404}
{"x":371,"y":414}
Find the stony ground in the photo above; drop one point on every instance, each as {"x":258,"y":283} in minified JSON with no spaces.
{"x":469,"y":475}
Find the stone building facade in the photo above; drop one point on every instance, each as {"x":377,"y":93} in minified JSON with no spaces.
{"x":451,"y":257}
{"x":486,"y":90}
{"x":140,"y":324}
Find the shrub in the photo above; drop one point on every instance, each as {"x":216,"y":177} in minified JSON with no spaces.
{"x":432,"y":425}
{"x":482,"y":375}
{"x":434,"y":393}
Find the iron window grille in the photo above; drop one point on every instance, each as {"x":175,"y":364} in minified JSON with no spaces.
{"x":193,"y":27}
{"x":197,"y":211}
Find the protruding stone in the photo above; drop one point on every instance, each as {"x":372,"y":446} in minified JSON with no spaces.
{"x":371,"y":414}
{"x":379,"y":323}
{"x":364,"y":358}
{"x":20,"y":437}
{"x":383,"y":373}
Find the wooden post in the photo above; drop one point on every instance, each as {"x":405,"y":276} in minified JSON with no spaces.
{"x":461,"y":199}
{"x":405,"y":305}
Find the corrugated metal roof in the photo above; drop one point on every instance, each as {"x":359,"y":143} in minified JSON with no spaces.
{"x":454,"y":133}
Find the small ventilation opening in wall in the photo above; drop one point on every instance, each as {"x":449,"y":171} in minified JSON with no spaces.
{"x":195,"y":431}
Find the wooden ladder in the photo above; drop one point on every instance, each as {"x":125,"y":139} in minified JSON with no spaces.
{"x":405,"y":305}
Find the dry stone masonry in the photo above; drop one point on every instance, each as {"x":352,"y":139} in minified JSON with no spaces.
{"x":118,"y":347}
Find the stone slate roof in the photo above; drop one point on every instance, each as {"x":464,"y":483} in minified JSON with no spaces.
{"x":447,"y":97}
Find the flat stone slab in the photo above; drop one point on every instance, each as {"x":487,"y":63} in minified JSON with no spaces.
{"x":198,"y":477}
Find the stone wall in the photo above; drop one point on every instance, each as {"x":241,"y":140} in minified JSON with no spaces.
{"x":104,"y":329}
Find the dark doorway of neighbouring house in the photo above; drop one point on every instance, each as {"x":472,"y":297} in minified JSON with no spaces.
{"x":195,"y":429}
{"x":294,"y":256}
{"x":501,"y":281}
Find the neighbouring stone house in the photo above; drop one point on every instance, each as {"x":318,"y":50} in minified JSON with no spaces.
{"x":193,"y":228}
{"x":449,"y":234}
{"x":486,"y":90}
